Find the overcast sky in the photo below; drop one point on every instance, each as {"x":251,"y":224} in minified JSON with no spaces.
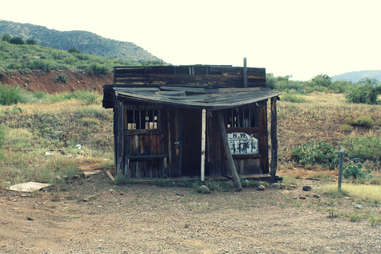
{"x":301,"y":38}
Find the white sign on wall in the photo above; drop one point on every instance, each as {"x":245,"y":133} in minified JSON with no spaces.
{"x":242,"y":143}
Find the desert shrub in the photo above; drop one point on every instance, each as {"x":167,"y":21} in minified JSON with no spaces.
{"x":16,"y":40}
{"x":355,"y":171}
{"x":73,"y":51}
{"x":31,"y":42}
{"x":346,"y":128}
{"x":97,"y":70}
{"x":316,"y":152}
{"x":61,"y":78}
{"x":39,"y":94}
{"x":87,"y":97}
{"x":9,"y":95}
{"x":364,"y":94}
{"x":13,"y":94}
{"x":363,"y":147}
{"x":39,"y":65}
{"x":364,"y":121}
{"x":292,"y":98}
{"x":64,"y":167}
{"x":6,"y":37}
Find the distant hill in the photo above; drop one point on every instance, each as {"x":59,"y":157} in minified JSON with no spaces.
{"x":35,"y":57}
{"x":355,"y":76}
{"x":83,"y":41}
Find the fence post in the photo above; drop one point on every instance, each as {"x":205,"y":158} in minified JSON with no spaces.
{"x":341,"y":151}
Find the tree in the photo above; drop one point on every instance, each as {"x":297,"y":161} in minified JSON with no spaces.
{"x":74,"y":51}
{"x":17,"y":40}
{"x":368,"y":82}
{"x":321,"y":80}
{"x":31,"y":42}
{"x":6,"y":37}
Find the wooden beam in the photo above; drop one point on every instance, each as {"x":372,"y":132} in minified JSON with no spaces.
{"x":229,"y":160}
{"x":274,"y":138}
{"x":203,"y":139}
{"x":244,"y":72}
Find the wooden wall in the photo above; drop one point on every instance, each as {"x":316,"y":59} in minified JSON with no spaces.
{"x":173,"y":149}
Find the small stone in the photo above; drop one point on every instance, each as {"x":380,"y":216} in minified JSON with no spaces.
{"x":29,"y":218}
{"x":291,"y":186}
{"x":307,"y":188}
{"x":261,"y":187}
{"x":358,"y":206}
{"x":302,"y":197}
{"x":203,"y":189}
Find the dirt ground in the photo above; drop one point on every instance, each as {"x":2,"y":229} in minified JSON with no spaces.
{"x":94,"y":216}
{"x":45,"y":81}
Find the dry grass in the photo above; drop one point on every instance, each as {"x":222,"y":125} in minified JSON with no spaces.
{"x":359,"y":191}
{"x":321,"y":119}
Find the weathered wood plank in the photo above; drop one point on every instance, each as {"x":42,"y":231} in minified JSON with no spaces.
{"x":229,"y":158}
{"x":274,"y":138}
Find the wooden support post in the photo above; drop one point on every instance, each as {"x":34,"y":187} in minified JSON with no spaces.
{"x":274,"y":138}
{"x":341,"y":151}
{"x":244,"y":72}
{"x":229,"y":160}
{"x":203,"y":136}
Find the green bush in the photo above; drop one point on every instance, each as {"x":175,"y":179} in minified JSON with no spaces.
{"x":364,"y":94}
{"x":16,"y":40}
{"x":355,"y":171}
{"x":73,"y":51}
{"x":39,"y":94}
{"x":97,"y":70}
{"x":39,"y":65}
{"x":31,"y":42}
{"x":6,"y":37}
{"x":364,"y":147}
{"x":316,"y":152}
{"x":61,"y":78}
{"x":9,"y":95}
{"x":12,"y":95}
{"x":364,"y":121}
{"x":346,"y":128}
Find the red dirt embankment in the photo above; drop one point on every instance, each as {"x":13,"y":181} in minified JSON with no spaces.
{"x":46,"y":81}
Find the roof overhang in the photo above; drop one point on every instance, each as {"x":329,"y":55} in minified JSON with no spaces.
{"x":196,"y":97}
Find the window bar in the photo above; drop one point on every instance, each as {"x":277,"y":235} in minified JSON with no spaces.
{"x":133,"y":119}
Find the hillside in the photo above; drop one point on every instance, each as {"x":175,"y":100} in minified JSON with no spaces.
{"x":355,"y":76}
{"x":34,"y":57}
{"x":83,"y":41}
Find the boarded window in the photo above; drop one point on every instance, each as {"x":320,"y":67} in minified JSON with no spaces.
{"x":142,"y":119}
{"x":241,"y":118}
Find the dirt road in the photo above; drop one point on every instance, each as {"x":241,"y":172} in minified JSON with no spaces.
{"x":96,"y":217}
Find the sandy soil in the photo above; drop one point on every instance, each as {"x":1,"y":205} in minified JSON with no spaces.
{"x":93,"y":216}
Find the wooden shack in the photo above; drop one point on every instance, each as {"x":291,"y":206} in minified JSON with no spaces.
{"x":175,"y":121}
